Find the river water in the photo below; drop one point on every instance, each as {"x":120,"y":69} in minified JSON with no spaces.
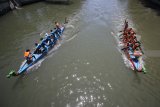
{"x":86,"y":69}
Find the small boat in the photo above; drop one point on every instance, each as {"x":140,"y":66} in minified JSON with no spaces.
{"x":39,"y":55}
{"x":135,"y":61}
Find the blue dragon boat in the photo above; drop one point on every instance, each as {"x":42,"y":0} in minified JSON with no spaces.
{"x":44,"y":46}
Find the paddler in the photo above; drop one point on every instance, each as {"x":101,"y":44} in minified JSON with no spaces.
{"x":58,"y":26}
{"x":137,"y":53}
{"x":132,"y":36}
{"x":51,"y":32}
{"x":130,"y":31}
{"x":28,"y":56}
{"x":136,"y":45}
{"x":48,"y":39}
{"x":124,"y":35}
{"x":54,"y":37}
{"x":125,"y":39}
{"x":58,"y":29}
{"x":38,"y":49}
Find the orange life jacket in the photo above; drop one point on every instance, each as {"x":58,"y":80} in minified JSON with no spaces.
{"x":26,"y":54}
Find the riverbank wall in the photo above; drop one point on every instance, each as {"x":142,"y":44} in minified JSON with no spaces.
{"x":8,"y":5}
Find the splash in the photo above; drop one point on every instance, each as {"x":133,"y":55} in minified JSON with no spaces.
{"x":72,"y":28}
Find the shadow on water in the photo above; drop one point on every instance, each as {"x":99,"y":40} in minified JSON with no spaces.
{"x":19,"y":82}
{"x":151,"y":5}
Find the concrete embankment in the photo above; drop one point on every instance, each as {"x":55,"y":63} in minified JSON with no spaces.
{"x":7,"y":5}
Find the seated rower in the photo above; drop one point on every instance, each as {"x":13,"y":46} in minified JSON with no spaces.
{"x":38,"y":49}
{"x":132,"y":36}
{"x":54,"y":36}
{"x":58,"y":29}
{"x":137,"y":53}
{"x":46,"y":35}
{"x":48,"y":39}
{"x":133,"y":32}
{"x":127,"y":46}
{"x":58,"y":26}
{"x":28,"y":56}
{"x":51,"y":32}
{"x":44,"y":46}
{"x":124,"y":34}
{"x":130,"y":31}
{"x":136,"y":45}
{"x":125,"y":39}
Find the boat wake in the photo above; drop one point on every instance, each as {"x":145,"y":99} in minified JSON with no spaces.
{"x":127,"y":62}
{"x":71,"y":34}
{"x":72,"y":38}
{"x":72,"y":28}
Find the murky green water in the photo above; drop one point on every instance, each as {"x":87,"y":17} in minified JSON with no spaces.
{"x":87,"y":70}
